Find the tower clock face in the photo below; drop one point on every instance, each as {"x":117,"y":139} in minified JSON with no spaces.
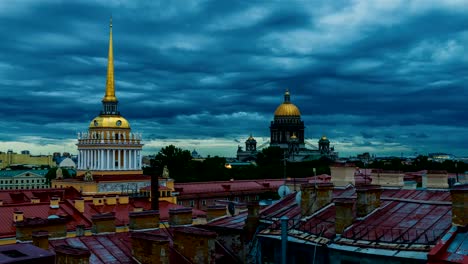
{"x":96,"y":123}
{"x":118,"y":123}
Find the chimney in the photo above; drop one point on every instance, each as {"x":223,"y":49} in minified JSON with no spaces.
{"x":215,"y":211}
{"x":344,"y":214}
{"x":459,"y":195}
{"x":201,"y":251}
{"x":137,"y":209}
{"x":437,"y":180}
{"x":41,"y":239}
{"x":103,"y":223}
{"x":180,"y":216}
{"x":342,"y":174}
{"x":150,"y":248}
{"x":315,"y":196}
{"x":71,"y":255}
{"x":35,"y":200}
{"x":80,"y":205}
{"x":253,"y":220}
{"x":368,"y":199}
{"x":80,"y":230}
{"x":98,"y":200}
{"x":18,"y":216}
{"x":143,"y":220}
{"x":54,"y":202}
{"x":111,"y":200}
{"x":123,"y":199}
{"x":388,"y":178}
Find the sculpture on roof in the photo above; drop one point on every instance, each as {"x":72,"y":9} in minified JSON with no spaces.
{"x":165,"y":173}
{"x":88,"y":176}
{"x":59,"y":174}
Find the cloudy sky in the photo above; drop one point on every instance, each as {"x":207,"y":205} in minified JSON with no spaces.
{"x":387,"y":77}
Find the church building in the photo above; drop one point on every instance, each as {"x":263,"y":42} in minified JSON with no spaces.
{"x":110,"y":158}
{"x":287,"y":132}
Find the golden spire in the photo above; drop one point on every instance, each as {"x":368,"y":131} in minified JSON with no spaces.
{"x":110,"y":89}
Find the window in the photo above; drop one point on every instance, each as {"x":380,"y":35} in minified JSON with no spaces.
{"x":236,"y":199}
{"x":203,"y":202}
{"x":191,"y":203}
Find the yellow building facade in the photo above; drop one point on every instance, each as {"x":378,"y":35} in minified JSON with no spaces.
{"x":10,"y":158}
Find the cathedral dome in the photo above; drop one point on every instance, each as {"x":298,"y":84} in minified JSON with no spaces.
{"x":109,"y":121}
{"x":287,"y":108}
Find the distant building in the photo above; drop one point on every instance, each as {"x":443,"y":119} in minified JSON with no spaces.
{"x":441,"y":157}
{"x":287,"y":132}
{"x":23,"y":179}
{"x":67,"y":163}
{"x":250,"y":152}
{"x":196,"y":155}
{"x":25,"y":159}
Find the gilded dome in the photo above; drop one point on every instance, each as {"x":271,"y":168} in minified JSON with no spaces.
{"x":287,"y":108}
{"x":109,"y":121}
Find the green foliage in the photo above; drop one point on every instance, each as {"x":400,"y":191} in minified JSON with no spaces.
{"x":176,"y":159}
{"x":52,"y":173}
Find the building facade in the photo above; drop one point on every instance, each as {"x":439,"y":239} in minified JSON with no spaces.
{"x":23,"y":179}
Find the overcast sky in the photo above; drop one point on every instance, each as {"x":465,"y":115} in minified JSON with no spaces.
{"x":387,"y":77}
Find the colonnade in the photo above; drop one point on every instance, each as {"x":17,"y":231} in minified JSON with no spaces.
{"x":109,"y":159}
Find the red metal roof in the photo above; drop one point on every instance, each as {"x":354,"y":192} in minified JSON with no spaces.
{"x":452,"y":248}
{"x":40,"y":210}
{"x":8,"y":196}
{"x":219,"y":187}
{"x":404,"y":217}
{"x":112,"y":248}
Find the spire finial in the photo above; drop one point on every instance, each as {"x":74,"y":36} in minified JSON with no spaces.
{"x":287,"y":97}
{"x":110,"y":89}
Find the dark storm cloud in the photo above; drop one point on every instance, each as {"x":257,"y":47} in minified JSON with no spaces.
{"x":379,"y":76}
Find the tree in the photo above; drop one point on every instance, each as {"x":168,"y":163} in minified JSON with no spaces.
{"x":176,"y":159}
{"x":270,"y":156}
{"x":52,"y":174}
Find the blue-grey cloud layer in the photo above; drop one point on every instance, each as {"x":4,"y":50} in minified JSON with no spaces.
{"x":379,"y":76}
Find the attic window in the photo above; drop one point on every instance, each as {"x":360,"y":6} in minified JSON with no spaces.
{"x":13,"y":253}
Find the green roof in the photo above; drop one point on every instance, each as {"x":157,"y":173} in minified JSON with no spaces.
{"x":13,"y":173}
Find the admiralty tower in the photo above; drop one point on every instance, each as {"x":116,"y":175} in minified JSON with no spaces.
{"x":109,"y":147}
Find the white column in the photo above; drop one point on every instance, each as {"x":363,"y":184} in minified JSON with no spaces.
{"x":87,"y":158}
{"x":130,"y":159}
{"x":139,"y":162}
{"x":107,"y":159}
{"x":118,"y":162}
{"x":126,"y":159}
{"x":102,"y":159}
{"x":113,"y":159}
{"x":124,"y":152}
{"x":135,"y":159}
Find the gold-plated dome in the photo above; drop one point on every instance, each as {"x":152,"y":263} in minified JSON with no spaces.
{"x":104,"y":121}
{"x":324,"y":137}
{"x":287,"y":108}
